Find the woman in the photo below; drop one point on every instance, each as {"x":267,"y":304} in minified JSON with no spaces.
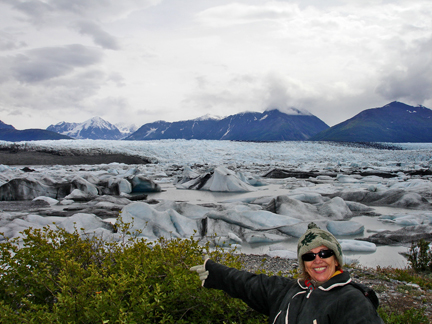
{"x":322,"y":295}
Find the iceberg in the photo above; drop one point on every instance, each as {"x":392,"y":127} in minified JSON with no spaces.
{"x":357,"y":246}
{"x":260,"y":237}
{"x":49,"y":200}
{"x":345,"y":228}
{"x":335,"y":209}
{"x":220,"y":179}
{"x":145,"y":220}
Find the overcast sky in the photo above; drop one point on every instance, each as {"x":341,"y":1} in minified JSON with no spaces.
{"x":138,"y":61}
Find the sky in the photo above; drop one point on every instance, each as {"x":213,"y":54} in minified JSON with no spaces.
{"x":139,"y":61}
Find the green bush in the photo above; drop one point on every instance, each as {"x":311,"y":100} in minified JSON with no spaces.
{"x":420,"y":256}
{"x":410,"y":316}
{"x":53,"y":276}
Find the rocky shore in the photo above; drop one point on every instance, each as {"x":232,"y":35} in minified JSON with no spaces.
{"x":22,"y":157}
{"x":395,"y":294}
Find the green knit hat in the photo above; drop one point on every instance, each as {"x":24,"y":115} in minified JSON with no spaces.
{"x":315,"y":237}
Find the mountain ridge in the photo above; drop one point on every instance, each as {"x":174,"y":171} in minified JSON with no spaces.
{"x":15,"y":135}
{"x":395,"y":122}
{"x":270,"y":125}
{"x":5,"y":126}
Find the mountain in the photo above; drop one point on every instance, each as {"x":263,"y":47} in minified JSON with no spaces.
{"x":94,"y":128}
{"x":14,"y":135}
{"x":126,"y":129}
{"x":271,"y":125}
{"x":5,"y":126}
{"x":395,"y":122}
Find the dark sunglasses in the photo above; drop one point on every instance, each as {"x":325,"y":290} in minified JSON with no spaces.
{"x":323,"y":254}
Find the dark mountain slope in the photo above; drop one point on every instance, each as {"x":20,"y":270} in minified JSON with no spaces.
{"x":5,"y":126}
{"x":13,"y":135}
{"x":395,"y":122}
{"x":270,"y":125}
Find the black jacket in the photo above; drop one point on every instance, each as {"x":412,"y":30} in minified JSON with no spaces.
{"x":291,"y":301}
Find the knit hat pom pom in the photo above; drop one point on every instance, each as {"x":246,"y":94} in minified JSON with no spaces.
{"x":312,"y":225}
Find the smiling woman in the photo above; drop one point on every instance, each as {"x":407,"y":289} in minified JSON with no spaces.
{"x":323,"y":294}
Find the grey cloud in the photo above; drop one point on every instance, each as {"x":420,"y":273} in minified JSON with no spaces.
{"x":117,"y":78}
{"x":116,"y":105}
{"x":281,"y":92}
{"x":45,"y":63}
{"x":72,"y":93}
{"x":9,"y":42}
{"x":39,"y":12}
{"x":413,"y":84}
{"x":35,"y":10}
{"x":239,"y":13}
{"x":100,"y":37}
{"x":409,"y":78}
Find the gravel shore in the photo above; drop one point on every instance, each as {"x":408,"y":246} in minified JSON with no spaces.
{"x":8,"y":157}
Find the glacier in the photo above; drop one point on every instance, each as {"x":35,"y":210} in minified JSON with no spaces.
{"x":217,"y":191}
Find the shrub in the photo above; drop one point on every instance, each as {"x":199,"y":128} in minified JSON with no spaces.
{"x":420,"y":256}
{"x":410,"y":316}
{"x":53,"y":276}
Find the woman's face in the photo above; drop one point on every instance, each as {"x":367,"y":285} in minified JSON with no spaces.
{"x":319,"y":269}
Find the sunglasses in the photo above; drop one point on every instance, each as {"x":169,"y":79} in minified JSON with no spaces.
{"x":323,"y":254}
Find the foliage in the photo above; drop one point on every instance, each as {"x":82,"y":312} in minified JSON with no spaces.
{"x":406,"y":275}
{"x":410,"y":316}
{"x":53,"y":276}
{"x":420,"y":256}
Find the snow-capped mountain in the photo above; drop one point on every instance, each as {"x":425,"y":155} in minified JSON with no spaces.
{"x":126,"y":129}
{"x":271,"y":125}
{"x":94,"y":128}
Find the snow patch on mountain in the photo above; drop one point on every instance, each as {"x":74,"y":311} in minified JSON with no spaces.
{"x":291,"y":111}
{"x":208,"y":117}
{"x":126,"y":128}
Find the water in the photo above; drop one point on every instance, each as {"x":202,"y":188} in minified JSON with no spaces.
{"x":384,"y":256}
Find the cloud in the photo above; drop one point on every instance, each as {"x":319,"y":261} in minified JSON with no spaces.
{"x":41,"y":64}
{"x":60,"y":80}
{"x":238,"y":13}
{"x":410,"y":79}
{"x":41,"y":12}
{"x":212,"y":57}
{"x":285,"y":93}
{"x":100,"y":37}
{"x":9,"y":42}
{"x":68,"y":92}
{"x":117,"y":106}
{"x":249,"y":92}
